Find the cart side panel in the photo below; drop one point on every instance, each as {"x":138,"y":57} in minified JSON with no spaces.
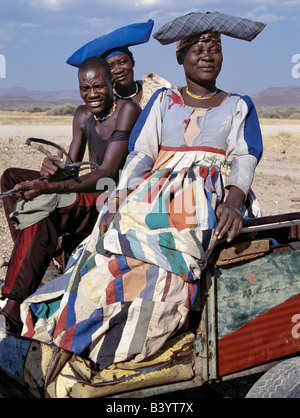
{"x":13,"y":355}
{"x":257,"y":303}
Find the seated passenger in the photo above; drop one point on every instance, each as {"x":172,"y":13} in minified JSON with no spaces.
{"x":186,"y":184}
{"x":103,"y":124}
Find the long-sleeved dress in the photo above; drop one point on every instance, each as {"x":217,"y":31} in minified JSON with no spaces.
{"x":131,"y":289}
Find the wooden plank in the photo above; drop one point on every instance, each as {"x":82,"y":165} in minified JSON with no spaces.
{"x":243,"y":251}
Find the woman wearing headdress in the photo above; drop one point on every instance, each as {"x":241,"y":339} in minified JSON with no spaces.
{"x":185,"y":185}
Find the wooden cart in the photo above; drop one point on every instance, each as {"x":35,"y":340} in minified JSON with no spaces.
{"x":245,"y":320}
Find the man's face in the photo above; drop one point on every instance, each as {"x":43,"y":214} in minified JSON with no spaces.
{"x":121,"y":68}
{"x":96,"y":89}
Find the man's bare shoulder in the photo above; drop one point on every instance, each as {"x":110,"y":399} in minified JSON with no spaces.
{"x":130,"y":107}
{"x":81,"y":115}
{"x":82,"y":111}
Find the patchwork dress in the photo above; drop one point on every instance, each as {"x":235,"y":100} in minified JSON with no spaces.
{"x":130,"y":290}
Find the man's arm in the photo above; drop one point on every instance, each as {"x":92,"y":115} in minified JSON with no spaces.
{"x":78,"y":143}
{"x":113,"y":161}
{"x":115,"y":154}
{"x":77,"y":146}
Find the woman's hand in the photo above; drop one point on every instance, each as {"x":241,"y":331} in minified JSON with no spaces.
{"x":229,"y":216}
{"x":112,"y":208}
{"x":105,"y":222}
{"x":229,"y":220}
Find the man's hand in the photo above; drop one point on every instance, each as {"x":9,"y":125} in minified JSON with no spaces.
{"x":51,"y":165}
{"x":31,"y":189}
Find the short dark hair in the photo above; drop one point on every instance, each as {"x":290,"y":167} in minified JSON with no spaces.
{"x":94,"y":62}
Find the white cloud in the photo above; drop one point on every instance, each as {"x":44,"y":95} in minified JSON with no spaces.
{"x":5,"y":36}
{"x":265,"y":17}
{"x":174,"y":4}
{"x":147,"y":3}
{"x":269,"y":17}
{"x":274,"y":3}
{"x":262,"y":14}
{"x":96,"y":22}
{"x":260,"y":9}
{"x":7,"y":33}
{"x":50,"y":4}
{"x":291,"y":3}
{"x":29,"y":25}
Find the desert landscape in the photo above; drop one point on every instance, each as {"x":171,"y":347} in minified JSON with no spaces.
{"x":276,"y":183}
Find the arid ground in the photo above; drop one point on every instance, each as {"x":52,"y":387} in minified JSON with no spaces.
{"x":276,"y":184}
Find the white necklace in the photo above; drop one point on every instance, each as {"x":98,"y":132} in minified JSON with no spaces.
{"x":132,"y":95}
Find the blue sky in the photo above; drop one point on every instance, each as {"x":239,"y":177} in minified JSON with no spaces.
{"x":37,"y":36}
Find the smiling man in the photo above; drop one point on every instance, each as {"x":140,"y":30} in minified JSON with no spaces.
{"x":103,"y":125}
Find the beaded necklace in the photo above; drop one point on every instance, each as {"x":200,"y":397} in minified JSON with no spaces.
{"x":99,"y":119}
{"x":207,"y":96}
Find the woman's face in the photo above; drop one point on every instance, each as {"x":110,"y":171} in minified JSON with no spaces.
{"x":203,"y":62}
{"x":121,"y":68}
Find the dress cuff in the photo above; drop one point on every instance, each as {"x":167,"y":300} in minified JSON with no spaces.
{"x":242,"y":173}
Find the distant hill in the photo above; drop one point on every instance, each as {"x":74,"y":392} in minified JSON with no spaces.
{"x":20,"y":97}
{"x":278,"y":96}
{"x":8,"y":102}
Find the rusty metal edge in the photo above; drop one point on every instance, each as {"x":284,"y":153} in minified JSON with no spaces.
{"x":159,"y":390}
{"x":265,"y":227}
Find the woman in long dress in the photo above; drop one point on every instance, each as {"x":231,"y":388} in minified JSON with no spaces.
{"x":186,"y":184}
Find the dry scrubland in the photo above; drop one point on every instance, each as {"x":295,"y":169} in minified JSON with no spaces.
{"x":276,"y":184}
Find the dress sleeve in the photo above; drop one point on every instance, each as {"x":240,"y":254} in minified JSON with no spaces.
{"x":144,"y":143}
{"x":244,"y":145}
